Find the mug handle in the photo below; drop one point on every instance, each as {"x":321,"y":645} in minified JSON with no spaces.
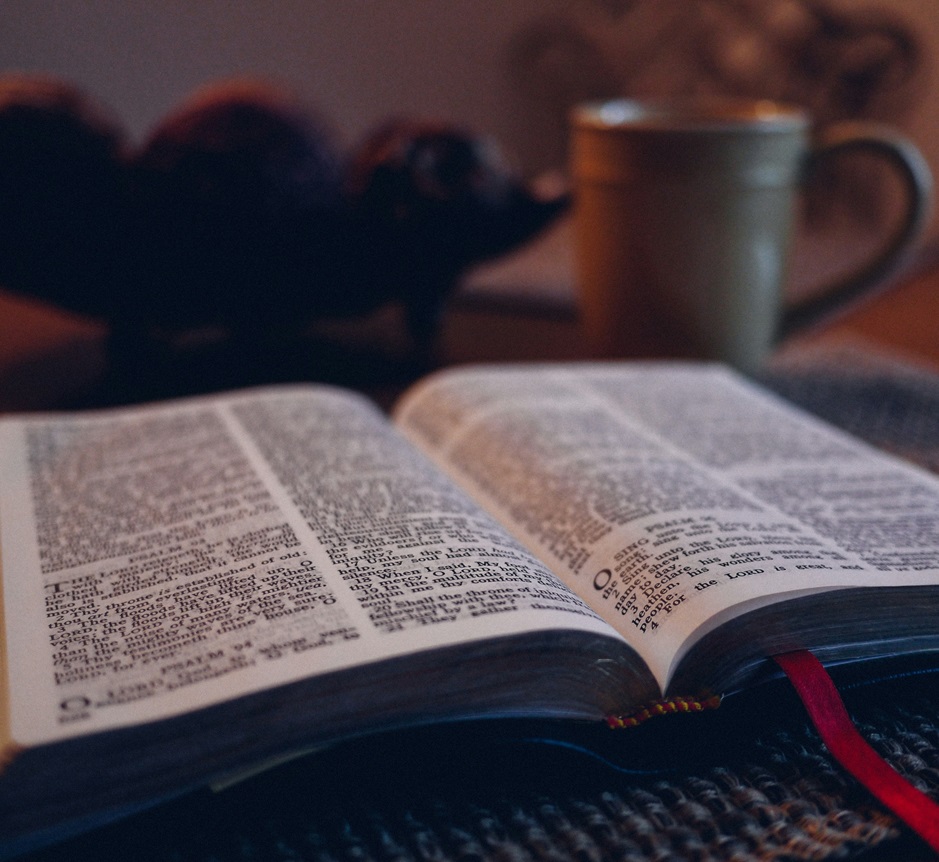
{"x":914,"y":172}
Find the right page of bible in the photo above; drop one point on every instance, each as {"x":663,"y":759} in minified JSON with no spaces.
{"x":672,"y":496}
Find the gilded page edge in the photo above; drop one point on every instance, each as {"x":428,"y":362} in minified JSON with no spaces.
{"x":8,"y":748}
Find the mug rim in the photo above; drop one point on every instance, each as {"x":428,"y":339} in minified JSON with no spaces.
{"x":690,"y":114}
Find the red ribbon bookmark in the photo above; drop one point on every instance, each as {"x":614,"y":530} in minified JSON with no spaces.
{"x":827,"y":712}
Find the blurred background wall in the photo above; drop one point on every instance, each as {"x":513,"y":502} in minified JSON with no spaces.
{"x":362,"y":59}
{"x":510,"y":68}
{"x":357,"y":60}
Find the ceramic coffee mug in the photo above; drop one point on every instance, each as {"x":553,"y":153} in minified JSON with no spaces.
{"x":684,"y":215}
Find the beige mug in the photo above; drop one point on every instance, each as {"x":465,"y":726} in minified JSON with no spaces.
{"x":684,"y":217}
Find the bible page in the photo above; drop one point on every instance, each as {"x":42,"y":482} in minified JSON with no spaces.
{"x":163,"y":558}
{"x":669,"y":495}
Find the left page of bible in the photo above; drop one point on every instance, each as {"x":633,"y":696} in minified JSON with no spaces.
{"x":163,"y":558}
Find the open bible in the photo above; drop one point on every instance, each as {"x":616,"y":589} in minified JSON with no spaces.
{"x":193,"y":587}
